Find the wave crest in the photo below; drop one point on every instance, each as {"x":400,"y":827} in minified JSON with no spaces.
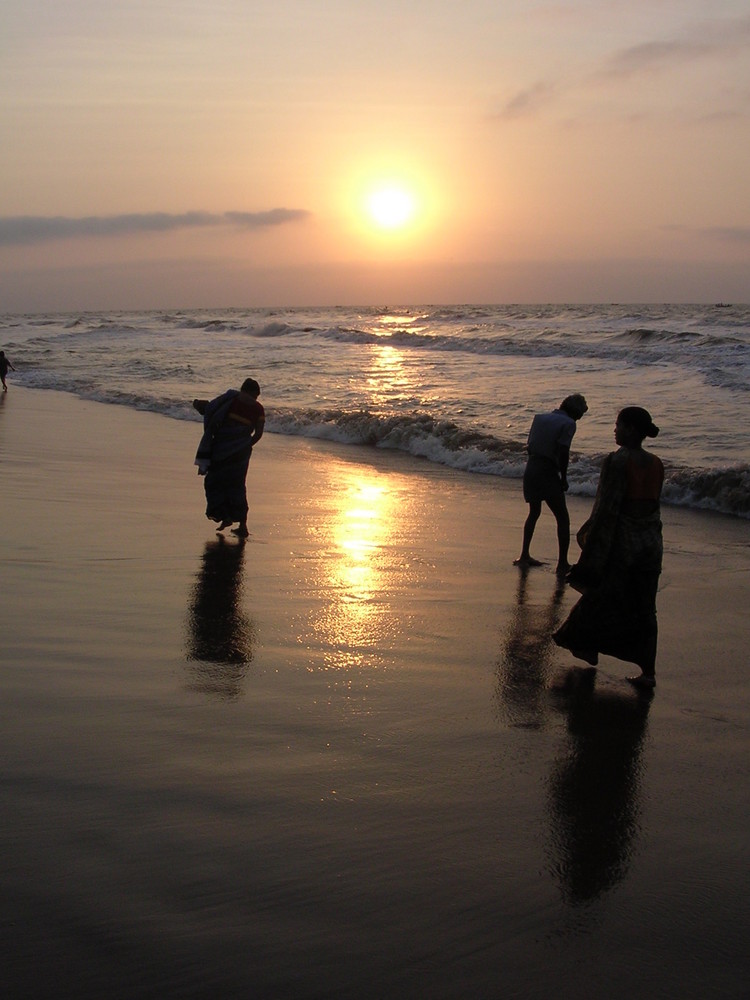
{"x":724,"y":490}
{"x":420,"y":434}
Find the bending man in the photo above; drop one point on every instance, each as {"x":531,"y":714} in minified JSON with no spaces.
{"x":545,"y":478}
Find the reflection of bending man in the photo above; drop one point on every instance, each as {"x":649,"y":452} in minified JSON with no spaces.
{"x":545,"y":479}
{"x":220,"y":635}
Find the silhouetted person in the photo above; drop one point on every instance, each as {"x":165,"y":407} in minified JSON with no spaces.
{"x":232,"y":424}
{"x":545,"y":478}
{"x":4,"y":366}
{"x":618,"y":572}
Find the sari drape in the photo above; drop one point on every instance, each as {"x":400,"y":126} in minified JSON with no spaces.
{"x":223,"y":456}
{"x":618,"y":573}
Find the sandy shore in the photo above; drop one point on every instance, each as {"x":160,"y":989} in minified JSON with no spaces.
{"x":331,"y":762}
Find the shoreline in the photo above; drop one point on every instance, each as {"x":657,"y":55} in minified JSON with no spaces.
{"x":331,"y":761}
{"x":720,"y":489}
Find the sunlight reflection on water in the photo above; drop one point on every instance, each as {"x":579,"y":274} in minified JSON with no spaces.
{"x":356,"y":625}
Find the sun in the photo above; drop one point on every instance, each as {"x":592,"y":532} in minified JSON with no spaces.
{"x":391,"y":207}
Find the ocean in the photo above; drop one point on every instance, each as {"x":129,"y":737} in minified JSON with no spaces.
{"x":456,"y":385}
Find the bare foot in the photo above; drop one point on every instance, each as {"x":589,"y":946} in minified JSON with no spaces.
{"x":562,"y":568}
{"x":240,"y":532}
{"x":527,"y":561}
{"x":645,"y":682}
{"x":224,"y":524}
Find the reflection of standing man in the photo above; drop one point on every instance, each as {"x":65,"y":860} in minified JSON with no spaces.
{"x":526,"y":654}
{"x":545,"y":479}
{"x":4,"y":366}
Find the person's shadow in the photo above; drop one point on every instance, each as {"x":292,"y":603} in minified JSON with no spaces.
{"x":524,"y":661}
{"x":219,"y":634}
{"x":594,"y":788}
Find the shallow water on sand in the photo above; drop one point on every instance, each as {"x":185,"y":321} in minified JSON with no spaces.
{"x":293,"y":834}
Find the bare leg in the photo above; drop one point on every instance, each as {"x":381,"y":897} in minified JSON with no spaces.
{"x":560,"y":509}
{"x":535,"y":509}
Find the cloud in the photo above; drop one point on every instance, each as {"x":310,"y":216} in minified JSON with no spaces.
{"x":726,"y":234}
{"x":25,"y":229}
{"x":652,"y":55}
{"x":527,"y":102}
{"x":729,"y":234}
{"x":713,"y":39}
{"x":720,"y":38}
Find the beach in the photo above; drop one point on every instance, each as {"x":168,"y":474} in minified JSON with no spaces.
{"x":344,"y":759}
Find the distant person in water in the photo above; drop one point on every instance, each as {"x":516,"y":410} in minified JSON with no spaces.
{"x":618,"y":572}
{"x":232,"y":424}
{"x":4,"y":366}
{"x":545,"y":478}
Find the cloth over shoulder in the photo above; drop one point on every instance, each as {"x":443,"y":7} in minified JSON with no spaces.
{"x":214,"y":415}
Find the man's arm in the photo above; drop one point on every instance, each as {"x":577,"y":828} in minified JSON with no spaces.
{"x":563,"y":457}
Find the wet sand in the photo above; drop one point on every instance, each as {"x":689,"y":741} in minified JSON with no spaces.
{"x":344,"y":759}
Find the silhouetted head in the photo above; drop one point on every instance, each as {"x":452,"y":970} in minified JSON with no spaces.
{"x":634,"y":423}
{"x":251,"y":387}
{"x":575,"y":406}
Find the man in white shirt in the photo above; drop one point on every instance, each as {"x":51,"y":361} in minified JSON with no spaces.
{"x":545,"y":479}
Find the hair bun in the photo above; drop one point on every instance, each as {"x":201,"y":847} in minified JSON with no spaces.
{"x":653,"y":431}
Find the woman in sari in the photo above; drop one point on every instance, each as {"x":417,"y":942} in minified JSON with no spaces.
{"x":618,"y":571}
{"x":232,"y":424}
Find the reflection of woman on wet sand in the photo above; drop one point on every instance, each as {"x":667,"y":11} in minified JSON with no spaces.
{"x":526,"y":653}
{"x":594,"y":789}
{"x":620,"y":563}
{"x":220,"y":635}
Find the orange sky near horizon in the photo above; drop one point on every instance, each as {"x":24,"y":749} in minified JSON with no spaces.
{"x":161,"y":156}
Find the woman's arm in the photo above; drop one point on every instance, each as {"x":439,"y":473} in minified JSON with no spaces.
{"x":258,"y":432}
{"x":600,"y":529}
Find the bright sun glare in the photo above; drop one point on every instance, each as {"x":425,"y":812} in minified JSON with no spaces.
{"x":391,"y":207}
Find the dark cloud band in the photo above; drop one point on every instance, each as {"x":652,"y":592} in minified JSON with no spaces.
{"x":24,"y":229}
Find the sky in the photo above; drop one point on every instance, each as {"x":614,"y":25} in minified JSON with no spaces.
{"x":160,"y":154}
